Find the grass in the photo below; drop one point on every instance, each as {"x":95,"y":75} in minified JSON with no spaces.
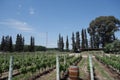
{"x":102,"y":71}
{"x":82,"y":65}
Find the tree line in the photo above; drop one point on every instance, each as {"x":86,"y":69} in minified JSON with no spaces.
{"x":19,"y":46}
{"x":101,"y":30}
{"x":77,"y":45}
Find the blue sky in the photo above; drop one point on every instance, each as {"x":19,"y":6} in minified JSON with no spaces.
{"x":40,"y":17}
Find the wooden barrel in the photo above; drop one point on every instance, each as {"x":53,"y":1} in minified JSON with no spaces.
{"x":74,"y":73}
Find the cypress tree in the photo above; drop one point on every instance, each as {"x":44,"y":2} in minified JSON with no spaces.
{"x":59,"y":42}
{"x":23,"y":40}
{"x":3,"y":43}
{"x":32,"y":44}
{"x":7,"y":43}
{"x":83,"y":39}
{"x":86,"y":41}
{"x":19,"y":43}
{"x":73,"y":43}
{"x":10,"y":44}
{"x":62,"y":44}
{"x":77,"y":41}
{"x":67,"y":44}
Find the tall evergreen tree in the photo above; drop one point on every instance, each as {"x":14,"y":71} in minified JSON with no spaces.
{"x":10,"y":44}
{"x":83,"y":39}
{"x":23,"y":40}
{"x":2,"y":43}
{"x":73,"y":43}
{"x":7,"y":43}
{"x":86,"y":40}
{"x":67,"y":43}
{"x":62,"y":43}
{"x":19,"y":43}
{"x":32,"y":44}
{"x":59,"y":42}
{"x":77,"y":41}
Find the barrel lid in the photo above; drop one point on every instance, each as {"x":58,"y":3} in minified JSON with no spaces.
{"x":73,"y":66}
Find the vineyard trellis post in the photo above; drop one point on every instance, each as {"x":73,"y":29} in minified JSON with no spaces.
{"x":10,"y":68}
{"x":91,"y":68}
{"x":57,"y":68}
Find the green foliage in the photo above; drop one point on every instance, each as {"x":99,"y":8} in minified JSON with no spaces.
{"x":6,"y":44}
{"x":112,"y":61}
{"x":63,"y":68}
{"x":67,"y":44}
{"x":1,"y":70}
{"x":77,"y":41}
{"x":23,"y":69}
{"x":40,"y":48}
{"x":19,"y":46}
{"x":84,"y":43}
{"x":103,"y":27}
{"x":2,"y":44}
{"x":73,"y":43}
{"x":33,"y":68}
{"x":113,"y":47}
{"x":32,"y":44}
{"x":60,"y":43}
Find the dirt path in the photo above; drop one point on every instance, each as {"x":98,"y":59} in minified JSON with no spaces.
{"x":83,"y":69}
{"x":102,"y":72}
{"x":5,"y":74}
{"x":49,"y":76}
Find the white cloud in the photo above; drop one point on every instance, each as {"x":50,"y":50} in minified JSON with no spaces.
{"x":31,"y":11}
{"x":16,"y":24}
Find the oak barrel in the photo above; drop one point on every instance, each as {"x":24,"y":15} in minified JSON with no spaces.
{"x":74,"y":73}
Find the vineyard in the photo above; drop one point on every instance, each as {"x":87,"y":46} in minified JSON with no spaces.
{"x":43,"y":65}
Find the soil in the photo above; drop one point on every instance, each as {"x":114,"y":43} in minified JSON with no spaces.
{"x":109,"y":73}
{"x":5,"y":74}
{"x":49,"y":76}
{"x":84,"y":74}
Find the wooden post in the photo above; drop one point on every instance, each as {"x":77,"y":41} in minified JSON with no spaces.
{"x":10,"y":68}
